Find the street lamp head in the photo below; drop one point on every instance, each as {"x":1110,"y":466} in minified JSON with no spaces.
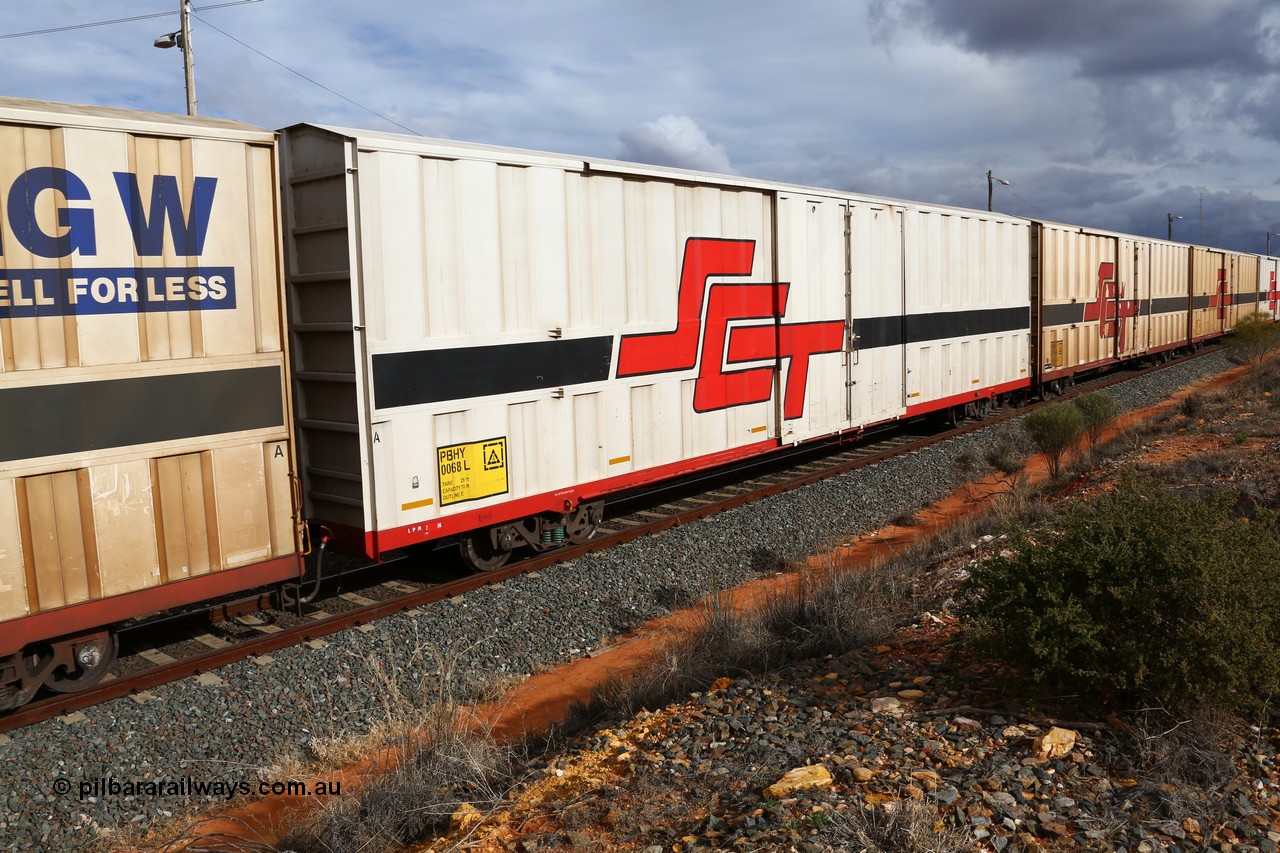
{"x":169,"y":40}
{"x":991,"y":181}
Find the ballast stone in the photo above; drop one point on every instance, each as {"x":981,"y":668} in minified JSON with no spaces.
{"x":813,"y":776}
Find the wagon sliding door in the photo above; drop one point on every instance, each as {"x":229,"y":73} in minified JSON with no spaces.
{"x":812,"y":273}
{"x":877,"y":390}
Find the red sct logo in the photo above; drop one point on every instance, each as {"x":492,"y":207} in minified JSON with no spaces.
{"x":710,"y":343}
{"x":1111,"y":308}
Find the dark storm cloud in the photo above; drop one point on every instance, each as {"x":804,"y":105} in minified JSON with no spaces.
{"x":1164,"y":71}
{"x":1107,"y":38}
{"x":1262,"y":109}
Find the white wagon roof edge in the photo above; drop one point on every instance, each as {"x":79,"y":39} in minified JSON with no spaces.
{"x":434,"y":146}
{"x":24,"y":111}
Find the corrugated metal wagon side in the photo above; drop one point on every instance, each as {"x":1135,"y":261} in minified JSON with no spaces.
{"x":1243,"y":279}
{"x":1107,"y":298}
{"x":1268,"y":295}
{"x":1161,"y":273}
{"x":145,"y":446}
{"x":1210,"y":293}
{"x":487,"y":341}
{"x":488,"y":336}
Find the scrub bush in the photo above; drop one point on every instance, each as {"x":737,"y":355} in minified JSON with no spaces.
{"x":1254,"y":338}
{"x":1099,"y":409}
{"x":1137,"y":595}
{"x":1054,"y":429}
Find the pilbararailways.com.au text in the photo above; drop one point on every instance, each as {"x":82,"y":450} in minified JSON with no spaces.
{"x":190,"y":787}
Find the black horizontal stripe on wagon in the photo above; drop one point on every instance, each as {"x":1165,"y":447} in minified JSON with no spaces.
{"x":1247,"y":297}
{"x":82,"y":417}
{"x":875,"y":332}
{"x":1072,"y":313}
{"x":434,"y":376}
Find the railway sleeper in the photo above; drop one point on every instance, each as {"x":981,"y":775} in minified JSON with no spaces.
{"x":489,"y":549}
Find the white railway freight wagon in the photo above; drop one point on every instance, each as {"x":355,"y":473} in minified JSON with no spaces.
{"x":1106,"y":297}
{"x":1268,"y":295}
{"x":1225,"y":287}
{"x":487,"y":341}
{"x":145,"y":444}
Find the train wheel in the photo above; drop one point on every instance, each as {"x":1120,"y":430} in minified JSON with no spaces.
{"x":480,"y":552}
{"x":89,"y":659}
{"x":582,"y":526}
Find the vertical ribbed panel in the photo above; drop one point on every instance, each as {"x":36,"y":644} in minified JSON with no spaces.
{"x":58,"y":538}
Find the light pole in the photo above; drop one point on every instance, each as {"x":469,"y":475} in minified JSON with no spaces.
{"x":991,"y":180}
{"x":1171,"y":218}
{"x":182,"y":38}
{"x":1268,"y":244}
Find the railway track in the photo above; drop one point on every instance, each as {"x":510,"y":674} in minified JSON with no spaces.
{"x":254,"y":625}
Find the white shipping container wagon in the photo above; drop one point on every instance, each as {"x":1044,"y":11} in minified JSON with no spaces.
{"x":1268,"y":296}
{"x":1243,"y":277}
{"x":1162,"y":273}
{"x":968,"y":308}
{"x":483,"y":335}
{"x":1211,"y":312}
{"x":145,"y":448}
{"x":1106,"y":297}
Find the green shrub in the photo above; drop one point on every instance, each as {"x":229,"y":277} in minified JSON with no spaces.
{"x":1254,"y":338}
{"x":1137,"y":595}
{"x":1099,"y":409}
{"x":1054,"y":429}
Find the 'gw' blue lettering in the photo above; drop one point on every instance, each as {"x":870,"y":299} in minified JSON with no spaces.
{"x":73,"y":229}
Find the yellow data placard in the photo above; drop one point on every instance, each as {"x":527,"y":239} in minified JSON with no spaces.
{"x":472,"y":471}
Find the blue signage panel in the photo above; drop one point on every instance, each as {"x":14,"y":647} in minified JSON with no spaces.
{"x":114,"y":290}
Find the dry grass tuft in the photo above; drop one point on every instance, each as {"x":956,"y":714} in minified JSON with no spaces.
{"x":438,"y":763}
{"x":1181,"y":763}
{"x":906,"y":826}
{"x":830,"y":610}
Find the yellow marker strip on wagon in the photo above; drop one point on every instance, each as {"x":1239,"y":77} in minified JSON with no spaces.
{"x":619,"y":460}
{"x":416,"y":504}
{"x":469,"y":472}
{"x":759,"y":429}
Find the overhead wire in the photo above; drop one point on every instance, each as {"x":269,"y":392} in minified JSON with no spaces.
{"x":962,"y":192}
{"x":1029,"y":204}
{"x":86,"y":26}
{"x":49,"y":30}
{"x":305,"y":77}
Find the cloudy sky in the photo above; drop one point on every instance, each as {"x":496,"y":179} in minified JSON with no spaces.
{"x":1104,"y":113}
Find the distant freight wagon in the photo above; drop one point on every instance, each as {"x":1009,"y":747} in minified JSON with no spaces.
{"x":206,"y":349}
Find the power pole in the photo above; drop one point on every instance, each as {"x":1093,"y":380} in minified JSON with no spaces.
{"x":188,"y":59}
